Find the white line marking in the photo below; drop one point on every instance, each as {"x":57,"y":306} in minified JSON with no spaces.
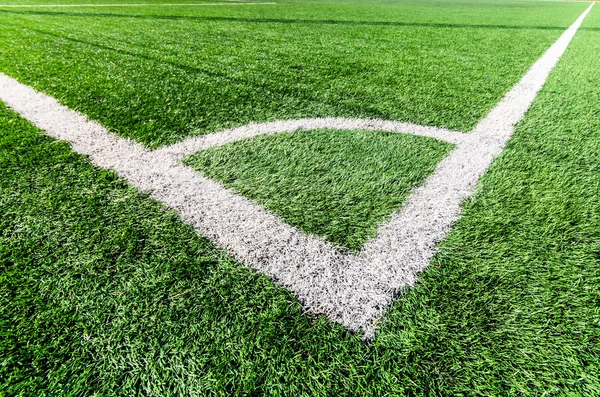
{"x":195,"y":144}
{"x":351,"y":290}
{"x":132,"y":5}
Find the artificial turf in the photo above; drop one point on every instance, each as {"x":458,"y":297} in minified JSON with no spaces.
{"x":338,"y":184}
{"x":158,"y":74}
{"x":103,"y":292}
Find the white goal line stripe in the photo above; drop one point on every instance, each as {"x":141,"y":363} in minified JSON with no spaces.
{"x":134,"y":5}
{"x":353,"y":290}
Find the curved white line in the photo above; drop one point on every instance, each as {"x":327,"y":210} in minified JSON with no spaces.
{"x":195,"y":144}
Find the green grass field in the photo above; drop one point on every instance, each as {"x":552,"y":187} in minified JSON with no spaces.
{"x":104,"y":292}
{"x":433,"y":63}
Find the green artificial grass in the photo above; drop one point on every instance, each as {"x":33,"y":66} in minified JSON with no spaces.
{"x":103,"y":292}
{"x":158,"y":74}
{"x":338,"y":184}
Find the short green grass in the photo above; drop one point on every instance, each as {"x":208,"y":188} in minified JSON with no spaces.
{"x":103,"y":292}
{"x":339,"y":184}
{"x":198,"y":69}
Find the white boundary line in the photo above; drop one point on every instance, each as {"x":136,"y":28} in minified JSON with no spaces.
{"x":352,"y":290}
{"x":133,"y":5}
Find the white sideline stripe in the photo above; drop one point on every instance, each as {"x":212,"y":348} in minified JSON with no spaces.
{"x":195,"y":144}
{"x":351,"y":290}
{"x":132,"y":5}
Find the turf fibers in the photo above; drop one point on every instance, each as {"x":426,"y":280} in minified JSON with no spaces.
{"x":103,"y":292}
{"x":161,"y":74}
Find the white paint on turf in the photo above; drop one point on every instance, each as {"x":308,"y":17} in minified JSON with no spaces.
{"x":195,"y":144}
{"x":353,"y":290}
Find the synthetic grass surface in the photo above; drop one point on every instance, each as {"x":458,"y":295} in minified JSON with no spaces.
{"x":339,"y":184}
{"x":103,"y":292}
{"x":158,"y":74}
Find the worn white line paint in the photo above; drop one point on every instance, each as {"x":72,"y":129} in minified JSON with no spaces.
{"x":195,"y":144}
{"x":351,"y":289}
{"x":232,"y":3}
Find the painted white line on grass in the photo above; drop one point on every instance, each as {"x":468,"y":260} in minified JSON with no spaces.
{"x":134,"y":5}
{"x":195,"y":144}
{"x":353,"y":290}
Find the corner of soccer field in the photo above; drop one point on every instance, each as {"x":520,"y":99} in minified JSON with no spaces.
{"x":316,"y":126}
